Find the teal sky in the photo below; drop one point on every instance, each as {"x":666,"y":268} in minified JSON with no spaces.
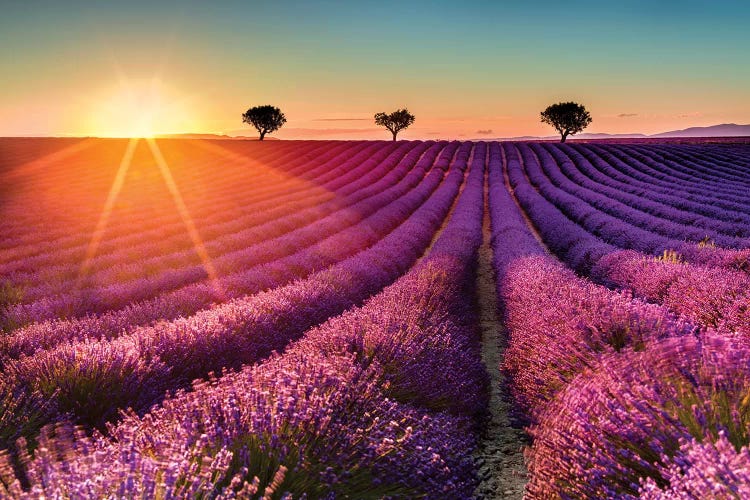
{"x":470,"y":70}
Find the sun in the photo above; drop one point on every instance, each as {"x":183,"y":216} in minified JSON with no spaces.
{"x":138,"y":108}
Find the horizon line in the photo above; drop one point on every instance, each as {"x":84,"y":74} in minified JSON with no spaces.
{"x":223,"y":136}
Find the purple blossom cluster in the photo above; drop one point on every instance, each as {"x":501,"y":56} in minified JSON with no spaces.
{"x":618,"y":429}
{"x":713,"y":297}
{"x":712,"y":256}
{"x":322,"y":420}
{"x":712,"y":469}
{"x":561,"y":325}
{"x":380,"y":401}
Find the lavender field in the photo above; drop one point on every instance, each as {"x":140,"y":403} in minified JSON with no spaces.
{"x":364,"y":319}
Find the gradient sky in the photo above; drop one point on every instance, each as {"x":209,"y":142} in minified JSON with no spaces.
{"x":471,"y":69}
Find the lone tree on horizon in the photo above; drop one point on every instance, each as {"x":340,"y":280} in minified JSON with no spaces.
{"x":265,"y":119}
{"x":396,"y":121}
{"x":568,"y":118}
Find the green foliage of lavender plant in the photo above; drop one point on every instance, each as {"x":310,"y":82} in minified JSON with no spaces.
{"x":92,"y":387}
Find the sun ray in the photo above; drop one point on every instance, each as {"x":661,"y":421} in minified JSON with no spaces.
{"x":187,"y":219}
{"x":101,"y":224}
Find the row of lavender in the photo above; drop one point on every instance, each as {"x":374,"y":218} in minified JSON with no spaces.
{"x":704,"y":283}
{"x":688,"y":167}
{"x":380,"y":401}
{"x":304,"y":180}
{"x":623,"y":399}
{"x":723,"y":222}
{"x":131,"y":250}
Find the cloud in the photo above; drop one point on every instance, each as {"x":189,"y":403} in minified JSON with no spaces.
{"x":693,"y":114}
{"x":484,"y":132}
{"x":627,"y":115}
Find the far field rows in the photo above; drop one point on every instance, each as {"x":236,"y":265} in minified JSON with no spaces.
{"x":314,"y":307}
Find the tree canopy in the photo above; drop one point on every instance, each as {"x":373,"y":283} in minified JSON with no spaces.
{"x":567,"y":118}
{"x":265,"y":119}
{"x":396,"y":121}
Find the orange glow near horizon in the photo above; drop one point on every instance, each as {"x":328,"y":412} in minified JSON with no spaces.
{"x":138,"y":108}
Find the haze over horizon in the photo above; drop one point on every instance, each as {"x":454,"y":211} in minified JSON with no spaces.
{"x":478,"y":69}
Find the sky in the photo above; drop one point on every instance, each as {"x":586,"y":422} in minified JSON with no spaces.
{"x":464,"y":69}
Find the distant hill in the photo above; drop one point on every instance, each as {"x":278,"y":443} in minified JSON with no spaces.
{"x":608,"y":136}
{"x":723,"y":130}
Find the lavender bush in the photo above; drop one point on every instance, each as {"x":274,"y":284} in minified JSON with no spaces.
{"x":616,"y":427}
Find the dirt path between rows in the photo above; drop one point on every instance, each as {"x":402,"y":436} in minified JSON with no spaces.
{"x":499,"y":456}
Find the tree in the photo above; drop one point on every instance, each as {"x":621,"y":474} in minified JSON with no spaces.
{"x":396,"y":121}
{"x":265,"y":119}
{"x":567,"y":118}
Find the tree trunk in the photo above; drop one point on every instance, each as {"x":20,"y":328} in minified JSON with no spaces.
{"x":564,"y":136}
{"x":262,"y":135}
{"x":394,"y":135}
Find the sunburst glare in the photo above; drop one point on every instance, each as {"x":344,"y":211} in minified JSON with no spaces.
{"x":139,"y":108}
{"x":187,"y":219}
